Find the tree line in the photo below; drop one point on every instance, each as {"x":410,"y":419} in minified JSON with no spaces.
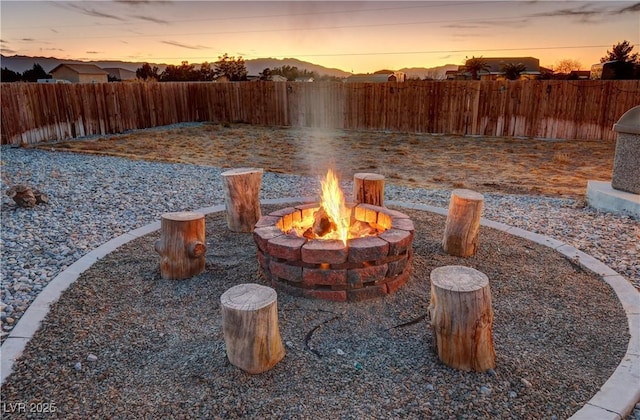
{"x":31,"y":75}
{"x":227,"y":68}
{"x":234,"y":69}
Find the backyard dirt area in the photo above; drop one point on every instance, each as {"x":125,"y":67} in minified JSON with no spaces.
{"x":158,"y":350}
{"x":485,"y":164}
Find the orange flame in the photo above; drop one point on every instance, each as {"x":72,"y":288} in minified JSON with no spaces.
{"x":332,"y":200}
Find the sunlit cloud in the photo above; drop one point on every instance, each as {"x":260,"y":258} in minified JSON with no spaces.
{"x":629,"y":9}
{"x":587,"y":13}
{"x":141,"y":2}
{"x":93,"y":52}
{"x":151,"y":19}
{"x":89,"y":11}
{"x":461,"y":26}
{"x":190,"y":47}
{"x":5,"y":50}
{"x":48,"y":50}
{"x":28,"y":40}
{"x":467,"y":35}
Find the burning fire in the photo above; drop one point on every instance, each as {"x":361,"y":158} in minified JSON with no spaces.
{"x":332,"y":201}
{"x":333,"y":220}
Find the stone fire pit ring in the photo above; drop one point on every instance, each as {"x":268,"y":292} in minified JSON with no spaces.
{"x":364,"y":268}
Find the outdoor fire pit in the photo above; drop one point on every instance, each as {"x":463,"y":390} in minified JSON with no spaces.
{"x":335,"y":251}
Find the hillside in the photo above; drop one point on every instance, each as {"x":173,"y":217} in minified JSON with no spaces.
{"x":19,"y":63}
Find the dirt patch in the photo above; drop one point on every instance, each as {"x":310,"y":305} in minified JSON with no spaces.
{"x":159,"y":344}
{"x":484,"y":164}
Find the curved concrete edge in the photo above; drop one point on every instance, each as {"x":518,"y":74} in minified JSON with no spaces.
{"x":615,"y":399}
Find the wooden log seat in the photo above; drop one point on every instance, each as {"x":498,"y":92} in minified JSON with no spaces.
{"x":241,"y":198}
{"x":181,"y":245}
{"x":462,"y":228}
{"x":462,"y":318}
{"x":368,"y":188}
{"x":250,"y":326}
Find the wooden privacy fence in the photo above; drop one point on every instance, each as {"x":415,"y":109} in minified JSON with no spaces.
{"x":34,"y":113}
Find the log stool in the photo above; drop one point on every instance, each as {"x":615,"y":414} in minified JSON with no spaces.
{"x":250,"y":326}
{"x":368,"y":188}
{"x":462,"y":318}
{"x":462,"y":227}
{"x":241,"y":198}
{"x":181,"y":245}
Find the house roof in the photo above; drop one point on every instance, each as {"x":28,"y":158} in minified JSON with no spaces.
{"x":359,"y":78}
{"x":119,"y":73}
{"x":81,"y":68}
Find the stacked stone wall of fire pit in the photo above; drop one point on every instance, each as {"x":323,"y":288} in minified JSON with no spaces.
{"x":364,"y":268}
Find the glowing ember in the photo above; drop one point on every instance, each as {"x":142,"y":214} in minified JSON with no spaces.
{"x":333,"y":220}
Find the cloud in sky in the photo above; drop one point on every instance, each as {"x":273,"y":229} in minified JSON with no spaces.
{"x":190,"y":47}
{"x":151,"y":19}
{"x":93,"y":52}
{"x":141,"y":2}
{"x":589,"y":13}
{"x":89,"y":11}
{"x":630,"y":9}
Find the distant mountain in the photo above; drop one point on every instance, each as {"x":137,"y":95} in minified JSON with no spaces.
{"x":256,"y":66}
{"x":20,"y":63}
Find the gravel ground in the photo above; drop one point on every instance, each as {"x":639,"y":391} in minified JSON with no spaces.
{"x":124,"y":343}
{"x":94,"y":199}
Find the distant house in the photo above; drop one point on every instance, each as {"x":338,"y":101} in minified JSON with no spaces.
{"x":80,"y":73}
{"x":579,"y":75}
{"x":305,"y":79}
{"x":53,"y":81}
{"x":271,"y":78}
{"x":494,"y":70}
{"x":277,"y":78}
{"x":120,"y":74}
{"x":454,"y":74}
{"x":612,"y":70}
{"x":376,"y":78}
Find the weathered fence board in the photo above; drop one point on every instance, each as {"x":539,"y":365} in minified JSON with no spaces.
{"x":33,"y":113}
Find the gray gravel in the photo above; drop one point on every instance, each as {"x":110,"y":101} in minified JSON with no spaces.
{"x":122,"y":342}
{"x":93,"y":199}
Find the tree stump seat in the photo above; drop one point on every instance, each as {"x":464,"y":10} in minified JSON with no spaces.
{"x":250,"y":327}
{"x":181,"y":245}
{"x":241,"y":198}
{"x":462,"y":318}
{"x":368,"y":188}
{"x":462,"y":227}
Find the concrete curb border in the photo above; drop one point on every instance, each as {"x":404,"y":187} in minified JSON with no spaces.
{"x":614,"y":400}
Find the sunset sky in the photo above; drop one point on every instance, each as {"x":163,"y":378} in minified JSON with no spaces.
{"x":355,"y":36}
